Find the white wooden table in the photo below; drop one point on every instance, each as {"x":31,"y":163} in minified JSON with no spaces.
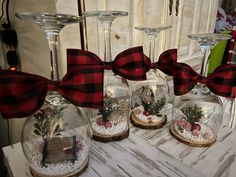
{"x":151,"y":153}
{"x":132,"y":157}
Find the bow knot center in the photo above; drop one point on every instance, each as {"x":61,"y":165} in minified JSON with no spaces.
{"x":107,"y":65}
{"x":202,"y":79}
{"x":154,"y":65}
{"x":53,"y":85}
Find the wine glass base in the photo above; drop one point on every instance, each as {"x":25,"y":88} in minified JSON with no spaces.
{"x":106,"y":139}
{"x":147,"y":125}
{"x":176,"y":134}
{"x":152,"y":31}
{"x":50,"y":23}
{"x":209,"y":40}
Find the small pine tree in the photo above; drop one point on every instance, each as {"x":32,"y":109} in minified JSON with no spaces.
{"x":156,"y":107}
{"x":193,"y":113}
{"x":109,"y":105}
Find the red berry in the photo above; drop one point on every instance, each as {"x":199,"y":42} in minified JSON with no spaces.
{"x":146,"y":113}
{"x":99,"y":121}
{"x":196,"y":127}
{"x":196,"y":132}
{"x":108,"y":125}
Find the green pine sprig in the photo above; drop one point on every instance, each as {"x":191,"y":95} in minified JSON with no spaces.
{"x":193,"y":113}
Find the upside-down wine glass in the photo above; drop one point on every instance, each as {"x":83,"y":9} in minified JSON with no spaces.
{"x":56,"y":139}
{"x":197,"y":115}
{"x":150,"y":97}
{"x":111,"y":122}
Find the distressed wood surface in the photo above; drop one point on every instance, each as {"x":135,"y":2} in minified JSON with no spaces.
{"x":150,"y":153}
{"x":216,"y":161}
{"x":130,"y":157}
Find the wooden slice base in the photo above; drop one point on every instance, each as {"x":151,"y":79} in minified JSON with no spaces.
{"x":72,"y":174}
{"x":175,"y":134}
{"x":136,"y":122}
{"x":106,"y":139}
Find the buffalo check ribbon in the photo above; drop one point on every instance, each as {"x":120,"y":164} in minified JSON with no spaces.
{"x":221,"y":82}
{"x":131,"y":64}
{"x":21,"y":94}
{"x":166,"y":62}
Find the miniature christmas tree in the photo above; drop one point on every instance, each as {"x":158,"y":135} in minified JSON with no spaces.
{"x":153,"y":108}
{"x":193,"y":114}
{"x":109,"y":105}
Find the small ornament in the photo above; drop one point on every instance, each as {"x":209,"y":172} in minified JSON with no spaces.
{"x":146,"y":113}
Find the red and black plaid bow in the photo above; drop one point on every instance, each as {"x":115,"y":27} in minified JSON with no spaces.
{"x":21,"y":94}
{"x":221,"y":82}
{"x":131,"y":64}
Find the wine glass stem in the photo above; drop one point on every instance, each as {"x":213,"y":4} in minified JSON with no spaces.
{"x":152,"y":46}
{"x":107,"y":40}
{"x":53,"y":46}
{"x":205,"y":62}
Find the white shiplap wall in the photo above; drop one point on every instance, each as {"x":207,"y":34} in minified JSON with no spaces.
{"x":195,"y":16}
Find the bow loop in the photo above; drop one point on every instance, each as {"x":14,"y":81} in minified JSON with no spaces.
{"x":129,"y":64}
{"x":80,"y":57}
{"x":21,"y":94}
{"x":166,"y":61}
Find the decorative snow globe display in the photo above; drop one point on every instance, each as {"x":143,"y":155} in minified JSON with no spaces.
{"x":111,"y":122}
{"x":56,"y":139}
{"x":197,"y":115}
{"x":150,"y":97}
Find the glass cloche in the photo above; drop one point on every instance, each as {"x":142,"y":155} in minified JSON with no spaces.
{"x":150,"y":97}
{"x":56,"y":139}
{"x":111,"y":122}
{"x":197,"y":115}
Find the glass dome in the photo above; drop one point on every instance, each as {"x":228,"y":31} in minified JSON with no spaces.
{"x":196,"y":119}
{"x":111,"y":122}
{"x":57,"y":139}
{"x":197,"y":115}
{"x":150,"y":97}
